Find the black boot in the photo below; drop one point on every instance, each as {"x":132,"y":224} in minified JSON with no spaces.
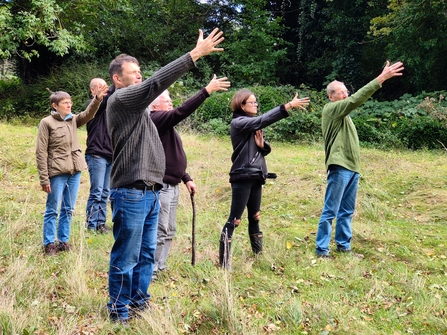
{"x":224,"y":252}
{"x":256,"y":243}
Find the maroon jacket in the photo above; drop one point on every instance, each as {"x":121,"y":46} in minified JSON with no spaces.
{"x":175,"y":155}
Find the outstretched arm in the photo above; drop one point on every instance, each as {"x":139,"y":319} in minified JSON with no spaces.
{"x":218,"y":84}
{"x":390,"y":71}
{"x":208,"y":45}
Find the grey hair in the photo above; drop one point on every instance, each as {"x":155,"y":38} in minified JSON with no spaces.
{"x":330,"y":89}
{"x":157,"y":99}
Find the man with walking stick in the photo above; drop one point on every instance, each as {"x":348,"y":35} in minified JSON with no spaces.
{"x":165,"y":118}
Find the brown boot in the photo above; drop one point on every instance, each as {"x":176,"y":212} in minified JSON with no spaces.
{"x":50,"y":249}
{"x":64,"y":246}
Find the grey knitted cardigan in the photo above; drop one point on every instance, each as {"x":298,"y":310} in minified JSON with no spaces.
{"x":137,"y":150}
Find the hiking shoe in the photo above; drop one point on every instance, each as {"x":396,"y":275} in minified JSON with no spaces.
{"x":50,"y":249}
{"x":122,"y":322}
{"x":64,"y":246}
{"x":102,"y":229}
{"x":323,"y":256}
{"x":349,"y":251}
{"x":135,"y":311}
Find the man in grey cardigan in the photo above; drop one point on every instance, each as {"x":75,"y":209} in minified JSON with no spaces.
{"x":137,"y":174}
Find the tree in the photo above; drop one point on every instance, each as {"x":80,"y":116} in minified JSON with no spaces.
{"x":32,"y":29}
{"x":415,"y":32}
{"x":254,"y":46}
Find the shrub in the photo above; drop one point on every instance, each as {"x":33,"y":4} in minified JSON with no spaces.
{"x":215,"y":114}
{"x":10,"y":88}
{"x":413,"y":122}
{"x":33,"y":99}
{"x":410,"y":121}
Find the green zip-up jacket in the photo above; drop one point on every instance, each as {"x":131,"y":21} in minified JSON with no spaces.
{"x":341,"y":142}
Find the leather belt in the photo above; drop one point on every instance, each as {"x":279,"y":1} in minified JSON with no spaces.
{"x":140,"y":185}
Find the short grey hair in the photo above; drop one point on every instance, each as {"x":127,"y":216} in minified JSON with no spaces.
{"x":330,"y":89}
{"x":157,"y":99}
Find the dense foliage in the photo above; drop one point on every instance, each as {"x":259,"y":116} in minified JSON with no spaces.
{"x":278,"y":42}
{"x":273,"y":47}
{"x":415,"y":122}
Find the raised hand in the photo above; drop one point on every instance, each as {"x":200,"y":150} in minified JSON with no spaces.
{"x":208,"y":45}
{"x":100,"y":91}
{"x":298,"y":103}
{"x":217,"y":84}
{"x":390,"y":71}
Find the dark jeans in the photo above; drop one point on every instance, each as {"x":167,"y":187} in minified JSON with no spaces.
{"x":99,"y":169}
{"x":245,"y":193}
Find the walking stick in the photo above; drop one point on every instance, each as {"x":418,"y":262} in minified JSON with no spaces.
{"x":193,"y":259}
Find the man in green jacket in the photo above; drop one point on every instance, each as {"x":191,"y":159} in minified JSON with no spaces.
{"x":342,"y":159}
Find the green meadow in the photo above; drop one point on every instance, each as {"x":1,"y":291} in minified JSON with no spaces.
{"x":400,"y":226}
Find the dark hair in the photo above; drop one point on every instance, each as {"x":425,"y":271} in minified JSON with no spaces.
{"x":56,"y":97}
{"x":239,"y":99}
{"x":116,"y":65}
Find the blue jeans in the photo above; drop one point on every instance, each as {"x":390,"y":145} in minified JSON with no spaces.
{"x":339,"y":203}
{"x":64,"y":191}
{"x":135,"y":221}
{"x":166,"y":224}
{"x":99,"y":169}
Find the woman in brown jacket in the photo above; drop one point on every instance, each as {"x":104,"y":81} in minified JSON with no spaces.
{"x":60,"y":162}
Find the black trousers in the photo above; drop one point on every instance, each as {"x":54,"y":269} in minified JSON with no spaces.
{"x":245,"y":193}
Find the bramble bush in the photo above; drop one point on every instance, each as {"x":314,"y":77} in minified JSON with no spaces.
{"x":410,"y":122}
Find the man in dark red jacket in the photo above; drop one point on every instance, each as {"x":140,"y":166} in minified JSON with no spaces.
{"x":165,"y":119}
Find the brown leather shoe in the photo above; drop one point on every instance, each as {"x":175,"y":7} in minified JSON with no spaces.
{"x":64,"y":246}
{"x":50,"y":249}
{"x":102,"y":228}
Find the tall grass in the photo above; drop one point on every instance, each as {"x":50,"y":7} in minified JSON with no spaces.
{"x":400,"y":287}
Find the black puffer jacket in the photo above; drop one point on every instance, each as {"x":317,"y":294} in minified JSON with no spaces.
{"x":248,"y":159}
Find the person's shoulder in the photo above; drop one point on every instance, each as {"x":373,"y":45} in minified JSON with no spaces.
{"x":47,"y":119}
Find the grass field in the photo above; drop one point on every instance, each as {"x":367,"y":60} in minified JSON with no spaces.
{"x":400,"y":287}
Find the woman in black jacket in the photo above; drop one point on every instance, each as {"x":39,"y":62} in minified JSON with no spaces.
{"x":249,"y":171}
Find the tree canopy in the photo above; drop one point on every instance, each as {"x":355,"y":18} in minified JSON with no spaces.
{"x":309,"y":42}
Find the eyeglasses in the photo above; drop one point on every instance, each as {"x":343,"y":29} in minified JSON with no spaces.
{"x":343,"y":92}
{"x":253,"y":103}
